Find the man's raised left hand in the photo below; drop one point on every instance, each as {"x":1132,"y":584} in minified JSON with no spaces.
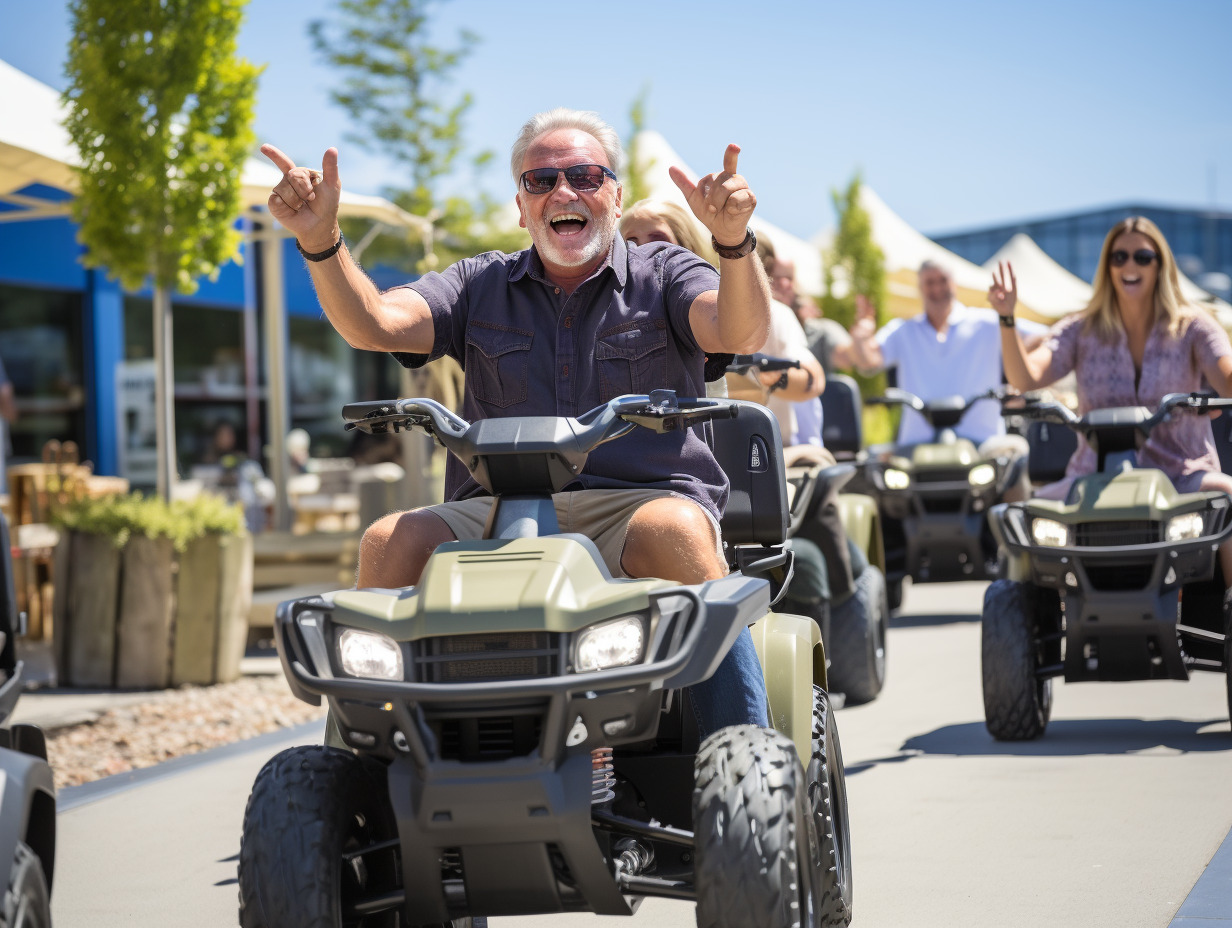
{"x":723,"y":201}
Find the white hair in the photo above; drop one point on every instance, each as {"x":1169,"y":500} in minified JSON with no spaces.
{"x":562,"y":118}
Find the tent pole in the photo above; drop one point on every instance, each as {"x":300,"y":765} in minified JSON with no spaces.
{"x":277,"y":412}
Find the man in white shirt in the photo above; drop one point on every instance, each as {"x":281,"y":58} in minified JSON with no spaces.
{"x":948,"y":350}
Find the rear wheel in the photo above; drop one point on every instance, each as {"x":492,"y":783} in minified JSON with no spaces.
{"x":857,"y":642}
{"x":827,"y":789}
{"x":894,"y":593}
{"x":758,"y":856}
{"x":1017,"y":703}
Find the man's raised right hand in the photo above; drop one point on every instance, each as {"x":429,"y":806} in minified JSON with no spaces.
{"x":306,"y":201}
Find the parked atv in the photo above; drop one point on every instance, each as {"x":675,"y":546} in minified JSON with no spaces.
{"x":516,"y":723}
{"x":842,"y":529}
{"x":27,"y":788}
{"x":1114,"y":583}
{"x":934,"y":497}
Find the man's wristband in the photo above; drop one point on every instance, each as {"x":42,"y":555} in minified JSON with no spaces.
{"x":320,"y":255}
{"x":1007,"y":321}
{"x":744,"y":248}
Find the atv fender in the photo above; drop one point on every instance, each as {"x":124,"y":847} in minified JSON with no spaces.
{"x":27,"y":808}
{"x":863,"y":527}
{"x":793,"y":659}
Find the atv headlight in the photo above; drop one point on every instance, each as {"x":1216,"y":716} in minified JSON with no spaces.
{"x":1049,"y":532}
{"x":981,"y":475}
{"x":1185,"y":526}
{"x":369,"y":654}
{"x":609,"y":644}
{"x":896,"y":479}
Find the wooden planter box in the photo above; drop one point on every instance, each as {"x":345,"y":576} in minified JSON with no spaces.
{"x":146,"y":617}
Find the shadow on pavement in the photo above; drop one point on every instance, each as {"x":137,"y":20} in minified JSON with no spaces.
{"x":1065,"y":738}
{"x":929,"y":621}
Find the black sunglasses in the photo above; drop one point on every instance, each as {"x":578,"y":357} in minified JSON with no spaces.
{"x":581,"y":177}
{"x":1142,"y":257}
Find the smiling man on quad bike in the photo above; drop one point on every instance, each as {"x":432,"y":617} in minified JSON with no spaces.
{"x":573,"y":321}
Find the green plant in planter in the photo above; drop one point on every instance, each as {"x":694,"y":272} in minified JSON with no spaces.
{"x":181,"y":521}
{"x":151,"y":593}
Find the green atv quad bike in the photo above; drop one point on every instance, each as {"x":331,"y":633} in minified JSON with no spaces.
{"x":516,"y":737}
{"x":934,"y":497}
{"x":840,"y":559}
{"x":1114,"y":583}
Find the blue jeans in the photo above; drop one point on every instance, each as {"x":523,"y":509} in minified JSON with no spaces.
{"x":735,"y":695}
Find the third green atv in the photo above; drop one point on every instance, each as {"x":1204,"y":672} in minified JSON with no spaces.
{"x":1117,"y":582}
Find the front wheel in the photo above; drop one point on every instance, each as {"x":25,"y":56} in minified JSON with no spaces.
{"x":1017,"y":703}
{"x":758,"y":856}
{"x":856,"y":645}
{"x":27,"y":901}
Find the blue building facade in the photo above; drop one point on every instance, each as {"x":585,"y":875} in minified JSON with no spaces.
{"x":65,"y":330}
{"x":1200,"y":239}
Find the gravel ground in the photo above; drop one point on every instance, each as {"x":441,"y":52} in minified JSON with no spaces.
{"x":172,"y":723}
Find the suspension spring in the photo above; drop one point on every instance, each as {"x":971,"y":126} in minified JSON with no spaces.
{"x":603,"y":776}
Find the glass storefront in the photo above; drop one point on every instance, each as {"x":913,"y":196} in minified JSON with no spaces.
{"x":41,"y":345}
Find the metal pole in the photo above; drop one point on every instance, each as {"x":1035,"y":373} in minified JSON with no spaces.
{"x":277,"y":411}
{"x":164,"y":393}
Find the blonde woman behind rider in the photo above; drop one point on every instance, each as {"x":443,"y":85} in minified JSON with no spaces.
{"x":1137,"y":341}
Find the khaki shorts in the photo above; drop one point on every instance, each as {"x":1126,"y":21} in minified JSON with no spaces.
{"x":601,"y":515}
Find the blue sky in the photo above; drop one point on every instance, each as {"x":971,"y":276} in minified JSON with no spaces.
{"x":958,"y":113}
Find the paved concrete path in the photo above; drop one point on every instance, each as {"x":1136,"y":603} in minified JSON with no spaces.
{"x":1107,"y":821}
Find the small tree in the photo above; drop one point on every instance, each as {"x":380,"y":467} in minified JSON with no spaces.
{"x":854,"y":265}
{"x":160,"y":110}
{"x":636,"y":185}
{"x":394,"y":89}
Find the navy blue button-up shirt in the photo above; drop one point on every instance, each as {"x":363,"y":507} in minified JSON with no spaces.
{"x":530,"y":349}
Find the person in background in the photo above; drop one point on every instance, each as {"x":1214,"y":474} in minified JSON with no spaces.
{"x":298,"y":443}
{"x":827,"y":340}
{"x":8,"y":415}
{"x":947,"y":350}
{"x":1137,"y":341}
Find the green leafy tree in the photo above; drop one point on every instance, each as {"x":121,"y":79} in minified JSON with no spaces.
{"x":395,"y":89}
{"x":854,"y":265}
{"x":160,"y":110}
{"x":636,"y":185}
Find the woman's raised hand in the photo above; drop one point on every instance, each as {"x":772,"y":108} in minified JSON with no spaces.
{"x":306,"y":201}
{"x":1003,"y":294}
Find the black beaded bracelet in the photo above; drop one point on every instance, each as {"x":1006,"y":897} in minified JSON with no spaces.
{"x":1007,"y":321}
{"x":320,"y":255}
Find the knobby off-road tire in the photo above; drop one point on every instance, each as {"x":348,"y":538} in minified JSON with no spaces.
{"x":857,"y":643}
{"x":27,"y":901}
{"x":827,"y":789}
{"x":1017,"y":704}
{"x":310,"y":805}
{"x":758,"y":855}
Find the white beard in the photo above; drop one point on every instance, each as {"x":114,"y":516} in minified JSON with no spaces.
{"x":601,"y":231}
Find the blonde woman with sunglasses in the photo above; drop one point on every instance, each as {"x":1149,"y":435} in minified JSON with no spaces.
{"x":1137,"y":341}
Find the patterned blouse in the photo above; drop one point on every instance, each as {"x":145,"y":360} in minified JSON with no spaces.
{"x":1182,"y":448}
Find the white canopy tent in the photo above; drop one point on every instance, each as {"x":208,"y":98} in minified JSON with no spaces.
{"x":1050,"y":289}
{"x":35,"y":150}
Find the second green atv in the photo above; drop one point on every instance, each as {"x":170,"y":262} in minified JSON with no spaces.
{"x":512,"y":735}
{"x":1117,"y":582}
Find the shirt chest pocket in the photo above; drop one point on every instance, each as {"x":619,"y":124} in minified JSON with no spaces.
{"x":497,"y":365}
{"x":632,"y":360}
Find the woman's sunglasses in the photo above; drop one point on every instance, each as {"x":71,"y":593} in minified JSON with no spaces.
{"x":1142,"y":257}
{"x":583,"y":178}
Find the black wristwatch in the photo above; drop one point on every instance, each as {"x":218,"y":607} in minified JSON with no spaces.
{"x":1007,"y":321}
{"x":744,"y":248}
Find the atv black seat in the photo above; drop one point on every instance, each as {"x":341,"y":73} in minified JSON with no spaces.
{"x":1221,"y":428}
{"x":842,"y":431}
{"x":1052,"y":446}
{"x":749,"y":448}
